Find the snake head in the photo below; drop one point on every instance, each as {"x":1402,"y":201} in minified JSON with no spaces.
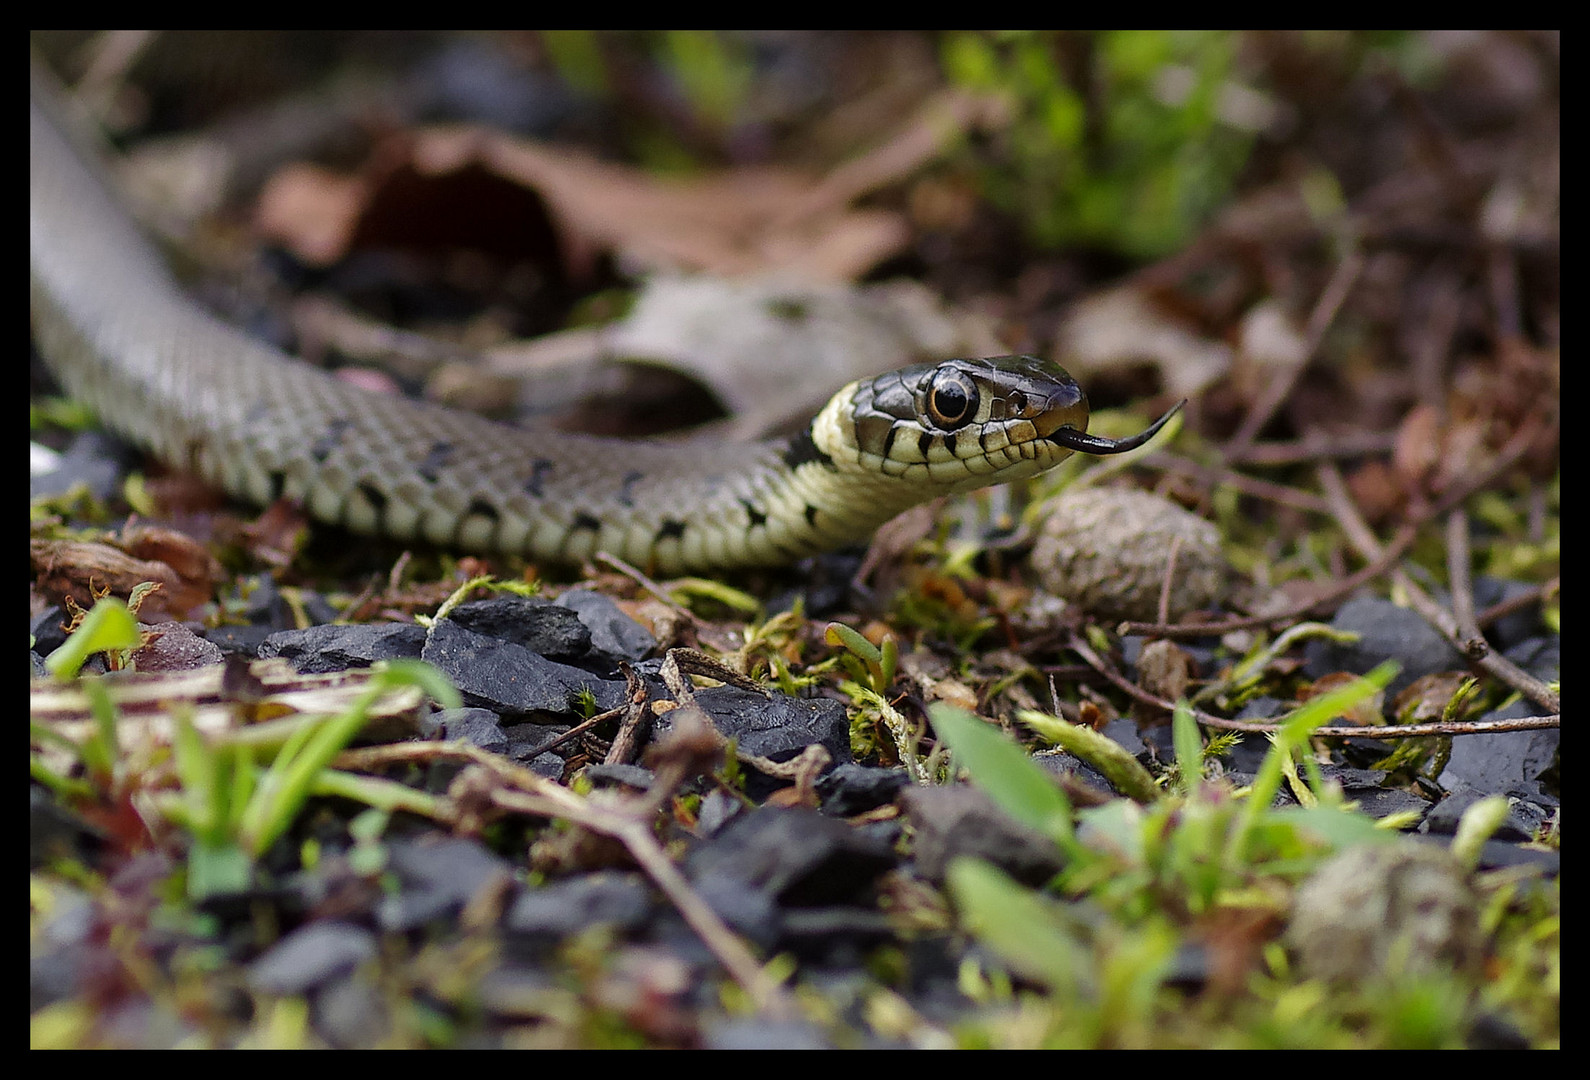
{"x":963,"y":424}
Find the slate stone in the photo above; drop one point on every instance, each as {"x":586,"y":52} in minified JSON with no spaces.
{"x":312,"y":955}
{"x":1494,"y":762}
{"x":478,"y":727}
{"x":1063,"y":763}
{"x":614,"y":634}
{"x":525,"y":742}
{"x":853,"y":789}
{"x":544,"y":628}
{"x":1497,"y":853}
{"x":1509,"y":630}
{"x":960,"y":820}
{"x":632,"y":777}
{"x":351,"y":1013}
{"x":1387,"y":632}
{"x":561,"y":908}
{"x":795,"y":855}
{"x":438,"y":877}
{"x":174,"y":647}
{"x":840,"y":934}
{"x":1525,"y":816}
{"x":777,"y":726}
{"x":1540,"y":656}
{"x":509,"y":679}
{"x":320,"y":649}
{"x":242,"y":641}
{"x":47,"y":628}
{"x":748,"y":912}
{"x":756,"y":1033}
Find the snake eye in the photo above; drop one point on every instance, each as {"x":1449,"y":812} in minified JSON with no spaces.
{"x":951,"y":400}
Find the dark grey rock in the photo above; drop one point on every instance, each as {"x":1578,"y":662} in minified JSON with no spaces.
{"x":351,"y":1014}
{"x":797,"y":856}
{"x":834,"y":935}
{"x":509,"y":679}
{"x":955,"y":821}
{"x":311,"y":955}
{"x":1540,"y":656}
{"x":777,"y":726}
{"x":242,"y":641}
{"x":337,"y":648}
{"x":749,"y":912}
{"x":173,"y":646}
{"x":1509,"y":630}
{"x":1064,"y":763}
{"x":48,"y":629}
{"x":478,"y":727}
{"x":437,"y":878}
{"x":547,"y":629}
{"x":854,"y":789}
{"x":562,"y":908}
{"x":632,"y":777}
{"x":1525,"y":816}
{"x":1493,"y":763}
{"x":1387,"y":632}
{"x":755,"y":1033}
{"x":613,"y":634}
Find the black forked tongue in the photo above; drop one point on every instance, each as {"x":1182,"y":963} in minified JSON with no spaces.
{"x":1082,"y":442}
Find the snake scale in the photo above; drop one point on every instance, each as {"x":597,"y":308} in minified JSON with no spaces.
{"x":120,"y":335}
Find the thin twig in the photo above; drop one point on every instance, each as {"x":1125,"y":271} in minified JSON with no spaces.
{"x":521,"y":791}
{"x":1509,"y":455}
{"x":1526,"y":599}
{"x":1314,"y":446}
{"x":1460,"y":583}
{"x":1248,"y":485}
{"x":1481,"y":658}
{"x":1390,"y":731}
{"x":643,"y":581}
{"x":1279,"y":389}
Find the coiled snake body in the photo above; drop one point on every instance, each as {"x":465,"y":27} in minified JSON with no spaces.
{"x":120,"y":335}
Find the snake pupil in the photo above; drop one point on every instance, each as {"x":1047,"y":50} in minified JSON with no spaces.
{"x":952,"y":400}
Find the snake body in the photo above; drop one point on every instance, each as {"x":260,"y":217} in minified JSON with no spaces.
{"x":120,"y":335}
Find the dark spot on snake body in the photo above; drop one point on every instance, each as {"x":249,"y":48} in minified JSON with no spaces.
{"x":484,"y":509}
{"x":949,"y":443}
{"x":193,"y":453}
{"x":888,"y":440}
{"x":803,"y":449}
{"x":811,"y":515}
{"x":670,"y":529}
{"x":788,"y":310}
{"x":375,"y":497}
{"x":756,"y":517}
{"x":538,"y":474}
{"x":435,"y":461}
{"x":278,"y":484}
{"x":583,"y":520}
{"x":330,"y":440}
{"x":626,"y":488}
{"x":924,"y":442}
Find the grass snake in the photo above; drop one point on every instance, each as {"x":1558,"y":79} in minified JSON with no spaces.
{"x":119,"y":334}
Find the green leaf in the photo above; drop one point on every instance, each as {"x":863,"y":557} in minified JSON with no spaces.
{"x":107,"y":627}
{"x":1102,"y":752}
{"x":1004,"y":771}
{"x":1023,"y":928}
